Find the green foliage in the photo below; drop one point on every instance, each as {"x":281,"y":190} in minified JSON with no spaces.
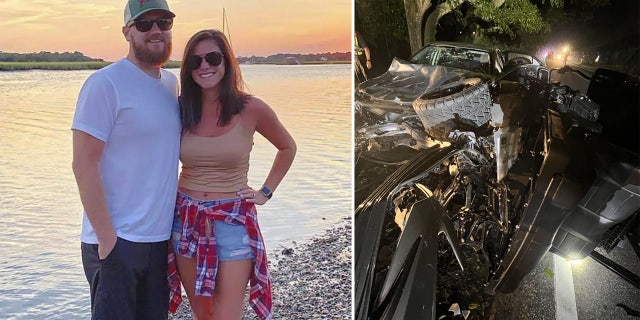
{"x":45,"y":56}
{"x":15,"y":66}
{"x":548,"y":272}
{"x":512,"y":17}
{"x":514,"y":24}
{"x":310,"y":58}
{"x":172,"y":64}
{"x":558,"y":3}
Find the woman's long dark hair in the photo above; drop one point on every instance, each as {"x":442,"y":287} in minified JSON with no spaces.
{"x":232,"y":97}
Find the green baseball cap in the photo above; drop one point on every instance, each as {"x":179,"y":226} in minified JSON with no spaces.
{"x":136,"y":8}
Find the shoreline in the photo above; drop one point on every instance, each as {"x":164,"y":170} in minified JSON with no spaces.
{"x":94,"y":65}
{"x":311,"y":280}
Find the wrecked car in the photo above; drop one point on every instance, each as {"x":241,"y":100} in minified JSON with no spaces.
{"x":467,"y":174}
{"x":443,"y":65}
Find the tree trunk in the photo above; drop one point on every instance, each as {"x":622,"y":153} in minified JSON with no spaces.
{"x":431,"y":23}
{"x":432,"y":20}
{"x":414,"y":12}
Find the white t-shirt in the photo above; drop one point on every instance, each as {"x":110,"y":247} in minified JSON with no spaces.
{"x":138,"y":118}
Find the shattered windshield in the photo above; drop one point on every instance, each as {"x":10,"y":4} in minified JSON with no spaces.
{"x":455,"y":57}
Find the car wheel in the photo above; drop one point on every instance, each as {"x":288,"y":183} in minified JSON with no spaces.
{"x":467,"y":107}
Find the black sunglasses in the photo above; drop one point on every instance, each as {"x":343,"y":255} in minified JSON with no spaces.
{"x":144,"y":25}
{"x":213,"y":58}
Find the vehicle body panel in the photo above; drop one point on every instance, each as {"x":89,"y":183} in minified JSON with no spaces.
{"x":574,"y":176}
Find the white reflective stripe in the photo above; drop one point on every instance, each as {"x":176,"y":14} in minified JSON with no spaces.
{"x":564,"y":293}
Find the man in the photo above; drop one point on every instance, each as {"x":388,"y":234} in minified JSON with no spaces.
{"x":361,"y":50}
{"x":126,"y":140}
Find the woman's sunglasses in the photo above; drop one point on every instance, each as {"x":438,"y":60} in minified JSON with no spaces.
{"x":213,"y":58}
{"x":144,"y":25}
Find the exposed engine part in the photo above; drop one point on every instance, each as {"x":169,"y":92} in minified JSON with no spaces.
{"x":507,"y":146}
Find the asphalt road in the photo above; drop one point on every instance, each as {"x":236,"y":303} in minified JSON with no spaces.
{"x":596,"y":291}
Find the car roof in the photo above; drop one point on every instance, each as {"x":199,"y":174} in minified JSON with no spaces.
{"x":456,"y":44}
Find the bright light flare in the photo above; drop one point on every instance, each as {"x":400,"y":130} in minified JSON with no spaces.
{"x":575,"y":262}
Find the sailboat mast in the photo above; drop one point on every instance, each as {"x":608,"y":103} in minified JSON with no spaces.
{"x":225,"y":26}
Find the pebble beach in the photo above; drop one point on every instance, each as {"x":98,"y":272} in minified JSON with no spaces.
{"x":311,"y":280}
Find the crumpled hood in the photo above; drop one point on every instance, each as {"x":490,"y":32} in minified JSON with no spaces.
{"x":397,"y":88}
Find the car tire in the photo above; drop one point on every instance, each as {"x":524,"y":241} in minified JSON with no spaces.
{"x":467,"y":106}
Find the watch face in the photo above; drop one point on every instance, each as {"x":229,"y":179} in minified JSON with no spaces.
{"x":265,"y":191}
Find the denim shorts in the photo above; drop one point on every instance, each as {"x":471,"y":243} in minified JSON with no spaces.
{"x":232,"y":240}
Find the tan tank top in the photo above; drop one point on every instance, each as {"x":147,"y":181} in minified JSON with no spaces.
{"x":216,"y":164}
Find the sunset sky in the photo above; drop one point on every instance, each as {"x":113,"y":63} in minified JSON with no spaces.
{"x":257,"y":27}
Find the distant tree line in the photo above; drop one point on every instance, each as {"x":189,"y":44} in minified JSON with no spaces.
{"x":302,"y":58}
{"x":46,"y":56}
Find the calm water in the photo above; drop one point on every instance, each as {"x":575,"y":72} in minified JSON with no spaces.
{"x":41,"y":273}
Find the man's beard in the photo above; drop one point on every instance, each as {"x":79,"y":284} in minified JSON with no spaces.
{"x":154,"y":58}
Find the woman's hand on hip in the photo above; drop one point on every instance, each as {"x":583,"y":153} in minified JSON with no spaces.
{"x":253,"y":196}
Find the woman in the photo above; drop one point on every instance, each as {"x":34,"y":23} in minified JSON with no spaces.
{"x":216,"y":240}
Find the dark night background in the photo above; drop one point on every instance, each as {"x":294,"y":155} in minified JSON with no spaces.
{"x":611,"y":31}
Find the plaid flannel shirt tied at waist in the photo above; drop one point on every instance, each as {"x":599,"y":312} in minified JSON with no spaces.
{"x":198,"y":239}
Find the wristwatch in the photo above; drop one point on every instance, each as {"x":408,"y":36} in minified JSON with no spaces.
{"x":266,"y":192}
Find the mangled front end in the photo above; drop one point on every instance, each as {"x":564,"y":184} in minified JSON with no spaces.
{"x":433,"y":215}
{"x":429,"y":236}
{"x":418,"y":105}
